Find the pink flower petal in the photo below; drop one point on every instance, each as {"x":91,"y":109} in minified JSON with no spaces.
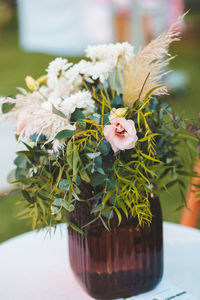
{"x":121,"y":134}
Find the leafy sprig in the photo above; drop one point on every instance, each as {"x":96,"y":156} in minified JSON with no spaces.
{"x":86,"y":169}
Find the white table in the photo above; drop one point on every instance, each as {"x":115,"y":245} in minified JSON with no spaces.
{"x":33,"y":267}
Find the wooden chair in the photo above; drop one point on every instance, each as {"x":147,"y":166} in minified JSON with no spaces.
{"x":191,"y":213}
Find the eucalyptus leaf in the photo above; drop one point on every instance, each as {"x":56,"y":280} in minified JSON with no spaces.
{"x":7,"y":106}
{"x":58,"y":112}
{"x":108,"y":214}
{"x":11,"y":176}
{"x":67,"y":206}
{"x":58,"y":202}
{"x":77,"y":115}
{"x":104,"y":147}
{"x":98,"y":161}
{"x":55,"y":210}
{"x":34,"y":138}
{"x":63,"y":183}
{"x":97,"y":179}
{"x":20,"y":173}
{"x":78,"y":180}
{"x":96,"y":208}
{"x":64,"y":134}
{"x":93,"y":155}
{"x":100,"y":170}
{"x":20,"y":161}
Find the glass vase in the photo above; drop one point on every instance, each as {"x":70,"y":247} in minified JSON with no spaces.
{"x":123,"y":262}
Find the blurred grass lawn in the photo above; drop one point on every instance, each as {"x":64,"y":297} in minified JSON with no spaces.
{"x":15,"y":64}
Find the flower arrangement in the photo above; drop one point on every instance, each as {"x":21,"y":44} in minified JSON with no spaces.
{"x":96,"y":128}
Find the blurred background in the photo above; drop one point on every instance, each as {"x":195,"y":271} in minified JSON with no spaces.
{"x":33,"y":32}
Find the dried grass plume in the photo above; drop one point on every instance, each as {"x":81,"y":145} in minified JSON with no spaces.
{"x":30,"y":117}
{"x":150,"y":65}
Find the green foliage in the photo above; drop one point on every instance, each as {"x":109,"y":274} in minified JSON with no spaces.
{"x":117,"y":102}
{"x":58,"y":112}
{"x":7,"y":106}
{"x":104,"y":148}
{"x":77,"y":115}
{"x":52,"y":184}
{"x":64,"y":134}
{"x":87,"y":169}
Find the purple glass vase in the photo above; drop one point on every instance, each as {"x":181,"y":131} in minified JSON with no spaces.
{"x":123,"y":262}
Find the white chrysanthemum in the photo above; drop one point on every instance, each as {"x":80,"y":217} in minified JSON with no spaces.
{"x":82,"y":100}
{"x":74,"y":74}
{"x":88,"y":71}
{"x":111,"y":53}
{"x":56,"y":70}
{"x":99,"y":70}
{"x":52,"y":101}
{"x":47,"y":105}
{"x":79,"y":72}
{"x":45,"y":91}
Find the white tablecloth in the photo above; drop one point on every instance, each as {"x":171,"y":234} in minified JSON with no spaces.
{"x":33,"y":267}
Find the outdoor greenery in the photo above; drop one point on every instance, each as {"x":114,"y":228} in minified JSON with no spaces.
{"x":16,"y":64}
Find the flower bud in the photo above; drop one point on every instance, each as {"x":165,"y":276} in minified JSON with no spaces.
{"x":42,"y":79}
{"x":121,"y":112}
{"x":31,"y":83}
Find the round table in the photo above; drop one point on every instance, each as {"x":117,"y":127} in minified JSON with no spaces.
{"x":34,"y":266}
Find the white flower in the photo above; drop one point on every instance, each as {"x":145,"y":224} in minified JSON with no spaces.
{"x":88,"y":71}
{"x":99,"y":70}
{"x":47,"y":105}
{"x":45,"y":91}
{"x":56,"y":70}
{"x":111,"y":53}
{"x":52,"y":101}
{"x":74,"y":75}
{"x":82,"y":100}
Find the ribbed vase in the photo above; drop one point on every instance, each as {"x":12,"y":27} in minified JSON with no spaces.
{"x":124,"y":262}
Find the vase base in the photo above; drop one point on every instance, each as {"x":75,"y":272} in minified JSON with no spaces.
{"x":103,"y":289}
